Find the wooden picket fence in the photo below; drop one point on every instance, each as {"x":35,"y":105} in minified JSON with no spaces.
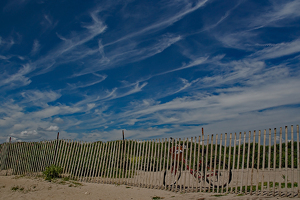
{"x":256,"y":163}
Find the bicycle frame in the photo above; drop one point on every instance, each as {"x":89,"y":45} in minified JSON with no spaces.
{"x":176,"y":152}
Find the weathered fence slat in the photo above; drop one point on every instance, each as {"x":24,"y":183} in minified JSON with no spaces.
{"x":253,"y":155}
{"x":233,"y":165}
{"x":280,"y":158}
{"x":286,"y":160}
{"x":243,"y":162}
{"x":219,"y":163}
{"x":202,"y":161}
{"x":229,"y":159}
{"x":198,"y":160}
{"x":161,"y":161}
{"x":292,"y":159}
{"x":269,"y":161}
{"x":238,"y":163}
{"x":248,"y":158}
{"x":215,"y":163}
{"x":274,"y":161}
{"x":257,"y":167}
{"x":100,"y":169}
{"x":263,"y":164}
{"x":298,"y":160}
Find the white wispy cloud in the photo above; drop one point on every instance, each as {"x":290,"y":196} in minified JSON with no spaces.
{"x":15,"y":5}
{"x":36,"y":47}
{"x":187,"y":8}
{"x":52,"y":128}
{"x":193,"y":63}
{"x":280,"y":11}
{"x":39,"y":98}
{"x":70,"y":45}
{"x":99,"y":78}
{"x":209,"y":108}
{"x":127,"y":53}
{"x":17,"y":79}
{"x":245,"y":36}
{"x":27,"y":135}
{"x":278,"y":50}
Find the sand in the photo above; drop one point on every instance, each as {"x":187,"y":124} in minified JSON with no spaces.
{"x":19,"y":187}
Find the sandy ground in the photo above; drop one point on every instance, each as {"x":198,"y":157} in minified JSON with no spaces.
{"x":16,"y":187}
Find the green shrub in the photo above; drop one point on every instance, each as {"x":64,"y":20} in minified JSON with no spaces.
{"x":52,"y":172}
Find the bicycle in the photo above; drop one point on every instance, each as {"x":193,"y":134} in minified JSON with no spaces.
{"x":210,"y":171}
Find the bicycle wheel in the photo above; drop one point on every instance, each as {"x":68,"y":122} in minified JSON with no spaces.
{"x":172,"y":175}
{"x":217,"y":178}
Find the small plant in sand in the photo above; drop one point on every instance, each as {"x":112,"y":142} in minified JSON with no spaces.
{"x":52,"y":172}
{"x":157,"y":197}
{"x":15,"y":188}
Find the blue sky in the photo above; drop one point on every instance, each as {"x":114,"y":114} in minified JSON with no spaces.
{"x":155,"y":69}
